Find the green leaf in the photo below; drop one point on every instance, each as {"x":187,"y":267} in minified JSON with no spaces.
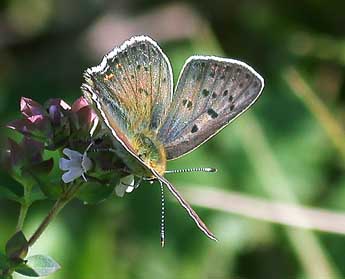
{"x":94,"y":192}
{"x":51,"y":188}
{"x":6,"y":193}
{"x":42,"y":265}
{"x":23,"y":269}
{"x":3,"y":262}
{"x":17,"y":246}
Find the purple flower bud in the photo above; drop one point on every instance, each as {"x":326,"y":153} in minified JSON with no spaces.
{"x":33,"y":150}
{"x":57,"y":109}
{"x":59,"y":103}
{"x":29,"y":107}
{"x":83,"y":118}
{"x":79,"y":104}
{"x":55,"y":114}
{"x":37,"y":126}
{"x":23,"y":126}
{"x":86,"y":117}
{"x":27,"y":155}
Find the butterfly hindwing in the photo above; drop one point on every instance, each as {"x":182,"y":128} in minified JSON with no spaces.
{"x":211,"y":92}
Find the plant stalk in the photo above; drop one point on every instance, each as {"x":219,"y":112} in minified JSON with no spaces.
{"x":24,"y":207}
{"x":55,"y":210}
{"x":22,"y":215}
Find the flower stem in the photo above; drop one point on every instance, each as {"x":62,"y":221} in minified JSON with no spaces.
{"x":24,"y":206}
{"x":58,"y":206}
{"x":22,"y":214}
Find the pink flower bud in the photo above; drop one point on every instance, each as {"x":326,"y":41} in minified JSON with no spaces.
{"x":79,"y":104}
{"x":30,"y":108}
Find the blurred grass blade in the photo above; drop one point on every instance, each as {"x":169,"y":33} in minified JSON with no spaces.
{"x":323,"y":47}
{"x":331,"y":126}
{"x":312,"y":256}
{"x":271,"y":211}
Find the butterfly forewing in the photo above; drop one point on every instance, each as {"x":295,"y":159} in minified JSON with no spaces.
{"x":132,"y":85}
{"x":210,"y":93}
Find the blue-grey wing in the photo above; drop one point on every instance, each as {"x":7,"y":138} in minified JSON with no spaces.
{"x":211,"y":92}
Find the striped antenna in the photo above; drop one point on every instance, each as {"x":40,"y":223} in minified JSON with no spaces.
{"x":162,"y":215}
{"x":191,"y":170}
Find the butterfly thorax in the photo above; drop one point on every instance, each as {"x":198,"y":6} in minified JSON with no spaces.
{"x":150,"y":150}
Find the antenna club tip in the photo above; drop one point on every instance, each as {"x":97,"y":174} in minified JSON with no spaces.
{"x":212,"y":170}
{"x":162,"y":243}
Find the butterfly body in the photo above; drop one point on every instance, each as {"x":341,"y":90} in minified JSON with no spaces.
{"x":150,"y":123}
{"x":151,"y":151}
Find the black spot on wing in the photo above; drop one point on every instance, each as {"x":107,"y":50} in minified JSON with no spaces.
{"x":194,"y":128}
{"x":212,"y":113}
{"x":205,"y":92}
{"x":187,"y":103}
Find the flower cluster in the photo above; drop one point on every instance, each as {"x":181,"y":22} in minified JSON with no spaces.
{"x":56,"y":123}
{"x":73,"y":137}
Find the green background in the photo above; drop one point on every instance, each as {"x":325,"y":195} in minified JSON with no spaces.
{"x":289,"y":148}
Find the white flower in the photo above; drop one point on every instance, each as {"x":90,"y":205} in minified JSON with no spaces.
{"x":126,"y":185}
{"x":77,"y":165}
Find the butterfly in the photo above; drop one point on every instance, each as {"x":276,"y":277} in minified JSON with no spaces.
{"x":132,"y":92}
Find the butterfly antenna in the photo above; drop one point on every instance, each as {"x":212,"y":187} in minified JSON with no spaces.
{"x":162,"y":215}
{"x":192,"y":170}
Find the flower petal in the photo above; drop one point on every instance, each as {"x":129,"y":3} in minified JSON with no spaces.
{"x":127,"y":180}
{"x":72,"y":154}
{"x":65,"y":164}
{"x":71,"y":175}
{"x":120,"y":190}
{"x":129,"y":189}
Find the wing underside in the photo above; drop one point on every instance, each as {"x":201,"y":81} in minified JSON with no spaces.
{"x":132,"y":85}
{"x":211,"y":92}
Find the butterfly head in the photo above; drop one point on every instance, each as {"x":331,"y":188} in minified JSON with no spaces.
{"x":151,"y":151}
